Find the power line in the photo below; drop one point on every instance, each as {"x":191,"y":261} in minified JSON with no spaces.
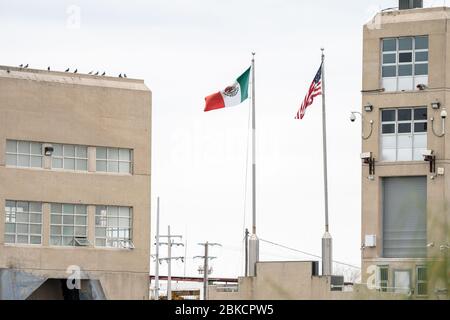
{"x":308,"y":254}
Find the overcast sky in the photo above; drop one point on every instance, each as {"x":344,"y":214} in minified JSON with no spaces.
{"x":186,"y":50}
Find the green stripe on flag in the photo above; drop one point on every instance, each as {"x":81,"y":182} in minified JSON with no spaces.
{"x":244,"y":81}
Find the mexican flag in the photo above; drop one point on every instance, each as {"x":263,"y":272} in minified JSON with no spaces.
{"x":231,"y":96}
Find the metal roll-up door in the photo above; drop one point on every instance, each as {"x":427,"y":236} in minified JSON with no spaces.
{"x":405,"y":217}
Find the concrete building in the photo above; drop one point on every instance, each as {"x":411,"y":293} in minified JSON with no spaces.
{"x":75,"y":153}
{"x":406,"y":153}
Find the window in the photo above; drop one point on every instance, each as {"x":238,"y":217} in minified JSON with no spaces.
{"x":383,"y":278}
{"x":404,"y":201}
{"x":69,"y":157}
{"x":113,"y":160}
{"x":402,"y":281}
{"x":404,"y":63}
{"x":404,"y":134}
{"x":23,"y":223}
{"x":23,"y":154}
{"x":422,"y":283}
{"x":113,"y":227}
{"x":68,"y":223}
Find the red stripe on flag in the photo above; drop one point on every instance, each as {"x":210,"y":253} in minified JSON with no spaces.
{"x":214,"y":102}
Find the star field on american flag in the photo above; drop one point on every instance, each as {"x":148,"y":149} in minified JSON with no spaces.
{"x":314,"y":90}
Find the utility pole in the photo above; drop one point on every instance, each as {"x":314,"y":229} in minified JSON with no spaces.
{"x":246,"y":252}
{"x":206,"y":258}
{"x":170,"y":243}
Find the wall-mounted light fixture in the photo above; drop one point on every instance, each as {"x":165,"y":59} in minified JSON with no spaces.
{"x":444,"y":116}
{"x":368,"y":108}
{"x":368,"y":158}
{"x":436,"y":105}
{"x":48,"y":150}
{"x":430,"y":157}
{"x":371,"y":122}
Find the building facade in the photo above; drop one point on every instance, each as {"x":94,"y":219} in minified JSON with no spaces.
{"x":406,"y":153}
{"x":75,"y":159}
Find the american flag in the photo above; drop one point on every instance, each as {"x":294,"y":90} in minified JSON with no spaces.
{"x":314,"y":90}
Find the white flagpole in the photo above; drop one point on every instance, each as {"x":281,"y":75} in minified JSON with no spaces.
{"x":253,"y":241}
{"x":327,"y":241}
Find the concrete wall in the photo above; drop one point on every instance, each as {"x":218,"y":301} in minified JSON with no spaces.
{"x":432,"y":22}
{"x":82,"y":110}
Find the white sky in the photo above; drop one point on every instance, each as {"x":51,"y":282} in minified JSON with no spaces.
{"x":186,"y":50}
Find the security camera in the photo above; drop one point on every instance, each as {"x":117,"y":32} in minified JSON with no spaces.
{"x":353,"y":117}
{"x":428,"y":155}
{"x":366,"y":157}
{"x":444,"y":114}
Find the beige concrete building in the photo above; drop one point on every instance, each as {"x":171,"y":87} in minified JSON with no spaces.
{"x":75,"y":154}
{"x":406,"y":175}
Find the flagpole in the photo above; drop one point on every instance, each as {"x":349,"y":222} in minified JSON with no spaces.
{"x":327,"y":241}
{"x":253,"y":258}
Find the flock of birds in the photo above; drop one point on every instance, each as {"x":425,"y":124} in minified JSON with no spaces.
{"x":22,"y":66}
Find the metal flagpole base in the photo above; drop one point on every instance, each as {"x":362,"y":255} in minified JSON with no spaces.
{"x":327,"y":258}
{"x":253,"y":255}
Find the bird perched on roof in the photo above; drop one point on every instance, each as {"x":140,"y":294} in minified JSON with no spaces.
{"x":76,"y":71}
{"x":125,"y":75}
{"x":48,"y":68}
{"x":104,"y":73}
{"x":26,"y":66}
{"x":96,"y":74}
{"x":21,"y":66}
{"x":120,"y":75}
{"x":67,"y":70}
{"x":90,"y":72}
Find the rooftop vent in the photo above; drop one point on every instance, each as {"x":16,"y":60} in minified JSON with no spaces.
{"x":410,"y":4}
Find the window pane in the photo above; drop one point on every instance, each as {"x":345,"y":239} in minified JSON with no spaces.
{"x":56,"y":219}
{"x":11,"y":160}
{"x":422,"y":56}
{"x":101,"y":153}
{"x":80,"y":209}
{"x":35,"y":240}
{"x":55,"y":241}
{"x":420,"y":127}
{"x":35,"y":217}
{"x":113,"y":212}
{"x":404,"y":115}
{"x":405,"y":70}
{"x":36,"y":162}
{"x":389,"y":58}
{"x":69,"y":164}
{"x":69,"y":151}
{"x":388,"y":128}
{"x":81,"y":165}
{"x":124,"y":167}
{"x":420,"y":114}
{"x":389,"y":45}
{"x":10,"y":228}
{"x":56,"y":208}
{"x":23,"y":161}
{"x":22,"y":206}
{"x":101,"y":165}
{"x":11,"y":146}
{"x":22,"y":217}
{"x":80,"y":231}
{"x":68,"y":208}
{"x":35,"y":207}
{"x":405,"y":57}
{"x":35,"y":229}
{"x":10,"y":239}
{"x":24,"y":147}
{"x":405,"y":44}
{"x":388,"y":115}
{"x":421,"y":69}
{"x":57,"y":163}
{"x":68,"y":220}
{"x":124,"y":222}
{"x":100,"y":210}
{"x":57,"y":150}
{"x":390,"y":71}
{"x":113,"y":154}
{"x":67,"y":241}
{"x":113,"y":166}
{"x":421,"y":43}
{"x":404,"y":128}
{"x":22,"y":239}
{"x":56,"y":230}
{"x":80,"y":220}
{"x":68,"y":231}
{"x":124,"y":155}
{"x":81,"y":152}
{"x":100,"y":242}
{"x":36,"y":148}
{"x":124,"y":212}
{"x":22,"y":228}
